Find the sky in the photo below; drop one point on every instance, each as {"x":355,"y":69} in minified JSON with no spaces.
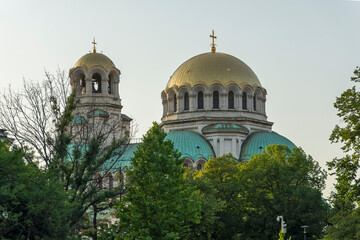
{"x":303,"y":52}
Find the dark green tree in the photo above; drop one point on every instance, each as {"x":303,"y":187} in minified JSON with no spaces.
{"x":77,"y":162}
{"x":211,"y":206}
{"x":280,"y":181}
{"x":159,"y":204}
{"x":244,"y":199}
{"x":344,"y":223}
{"x":221,"y":192}
{"x":33,"y":203}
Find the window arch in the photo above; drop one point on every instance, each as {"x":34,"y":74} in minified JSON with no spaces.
{"x":111,"y":182}
{"x":83,"y":85}
{"x":175,"y":103}
{"x":216,"y":99}
{"x":200,"y":100}
{"x":109,"y":85}
{"x":199,"y":166}
{"x":231,"y":100}
{"x":96,"y":83}
{"x":99,"y":181}
{"x":244,"y":101}
{"x":186,"y":101}
{"x":254,"y":102}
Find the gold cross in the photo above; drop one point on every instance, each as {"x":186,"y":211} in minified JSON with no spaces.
{"x":94,"y":48}
{"x":213,"y":49}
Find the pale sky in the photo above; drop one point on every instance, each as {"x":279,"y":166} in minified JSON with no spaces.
{"x":303,"y":51}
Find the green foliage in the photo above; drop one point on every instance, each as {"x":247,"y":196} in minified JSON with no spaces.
{"x":76,"y":162}
{"x":348,"y":106}
{"x":283,"y":182}
{"x":45,"y":124}
{"x":158,"y":203}
{"x":32,"y":201}
{"x":223,"y":174}
{"x":244,"y":199}
{"x":282,"y":236}
{"x":211,"y":206}
{"x":344,"y":224}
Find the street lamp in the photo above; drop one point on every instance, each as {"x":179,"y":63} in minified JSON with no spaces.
{"x":304,"y":227}
{"x":282,"y":222}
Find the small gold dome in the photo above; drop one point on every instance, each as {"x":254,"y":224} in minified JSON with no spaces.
{"x":94,"y":59}
{"x":211,"y":68}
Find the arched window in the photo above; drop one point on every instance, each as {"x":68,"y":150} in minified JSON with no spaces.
{"x":199,"y":166}
{"x":216,"y":99}
{"x":231,"y":100}
{"x":111,"y":182}
{"x":96,"y":83}
{"x":200,"y":100}
{"x":175,"y":103}
{"x":99,"y":181}
{"x":254,"y":102}
{"x":83,"y":85}
{"x":186,"y":101}
{"x":185,"y":165}
{"x":244,"y":101}
{"x":109,"y":85}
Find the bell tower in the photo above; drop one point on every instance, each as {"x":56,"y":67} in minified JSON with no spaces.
{"x":95,"y":80}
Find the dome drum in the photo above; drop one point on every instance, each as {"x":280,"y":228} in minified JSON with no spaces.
{"x":232,"y":99}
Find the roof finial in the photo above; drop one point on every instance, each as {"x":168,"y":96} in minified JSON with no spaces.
{"x":213,"y":48}
{"x":94,"y":47}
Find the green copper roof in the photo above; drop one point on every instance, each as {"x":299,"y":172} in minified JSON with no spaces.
{"x":122,"y":159}
{"x":125,"y":117}
{"x":78,"y":120}
{"x":97,"y":112}
{"x":225,"y":127}
{"x":256,"y":142}
{"x":191,"y":145}
{"x":81,"y":147}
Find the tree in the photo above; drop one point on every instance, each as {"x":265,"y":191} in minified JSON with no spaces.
{"x":345,"y":220}
{"x":40,"y":117}
{"x":77,"y":161}
{"x":280,"y":181}
{"x":30,"y":116}
{"x":221,"y":215}
{"x":158,"y":203}
{"x":247,"y":197}
{"x":33,"y":204}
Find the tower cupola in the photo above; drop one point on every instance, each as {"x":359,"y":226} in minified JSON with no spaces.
{"x":95,"y":75}
{"x":95,"y":79}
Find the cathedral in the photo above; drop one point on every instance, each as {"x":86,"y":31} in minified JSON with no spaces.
{"x":213,"y":104}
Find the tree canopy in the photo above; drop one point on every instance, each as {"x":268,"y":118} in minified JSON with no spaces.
{"x":40,"y":118}
{"x":158,"y":203}
{"x":280,"y":181}
{"x":344,"y":223}
{"x":245,"y":198}
{"x":33,"y":203}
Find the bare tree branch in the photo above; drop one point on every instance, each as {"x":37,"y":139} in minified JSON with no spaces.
{"x":29,"y":116}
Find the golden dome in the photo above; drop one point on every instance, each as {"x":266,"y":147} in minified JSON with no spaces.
{"x":211,"y":68}
{"x":95,"y":59}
